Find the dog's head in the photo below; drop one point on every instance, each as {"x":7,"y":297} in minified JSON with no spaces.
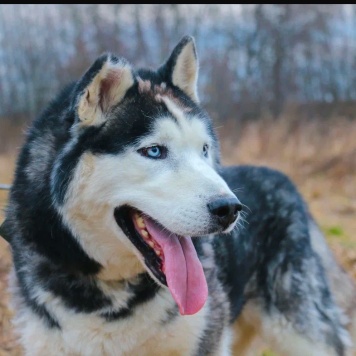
{"x":139,"y":171}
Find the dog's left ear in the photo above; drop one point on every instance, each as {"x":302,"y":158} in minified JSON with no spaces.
{"x":181,"y":68}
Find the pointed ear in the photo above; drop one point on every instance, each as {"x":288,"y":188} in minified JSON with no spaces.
{"x":182,"y":67}
{"x":101,"y":88}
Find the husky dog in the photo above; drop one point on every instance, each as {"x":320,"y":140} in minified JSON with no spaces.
{"x":125,"y":236}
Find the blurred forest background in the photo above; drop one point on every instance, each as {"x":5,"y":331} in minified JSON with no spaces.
{"x":278,"y":80}
{"x":256,"y":59}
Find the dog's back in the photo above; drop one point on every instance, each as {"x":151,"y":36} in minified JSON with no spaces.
{"x":293,"y":278}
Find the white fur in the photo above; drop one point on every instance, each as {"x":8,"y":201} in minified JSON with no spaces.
{"x":102,"y":183}
{"x":88,"y":334}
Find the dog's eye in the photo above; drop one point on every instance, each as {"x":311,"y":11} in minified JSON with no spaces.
{"x":155,"y":152}
{"x":205,"y":150}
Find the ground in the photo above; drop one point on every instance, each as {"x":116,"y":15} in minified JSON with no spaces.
{"x":320,"y":158}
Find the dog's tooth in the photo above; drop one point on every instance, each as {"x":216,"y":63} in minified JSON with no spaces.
{"x":144,"y":233}
{"x":151,"y":244}
{"x":158,"y":252}
{"x":140,"y":222}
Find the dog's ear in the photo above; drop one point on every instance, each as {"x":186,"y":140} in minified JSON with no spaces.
{"x":181,"y":68}
{"x":101,"y":88}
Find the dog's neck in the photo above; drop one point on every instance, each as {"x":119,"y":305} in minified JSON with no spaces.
{"x":126,"y":269}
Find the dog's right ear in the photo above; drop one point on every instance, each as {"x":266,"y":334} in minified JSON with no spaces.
{"x":102,"y":88}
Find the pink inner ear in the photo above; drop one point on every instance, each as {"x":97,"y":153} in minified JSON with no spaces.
{"x":108,"y":87}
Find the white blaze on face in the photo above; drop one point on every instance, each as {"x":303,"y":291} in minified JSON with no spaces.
{"x":176,"y":190}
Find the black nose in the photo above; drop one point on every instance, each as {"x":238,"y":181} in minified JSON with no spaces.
{"x":225,"y":210}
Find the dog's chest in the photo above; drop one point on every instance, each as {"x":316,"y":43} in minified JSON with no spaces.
{"x":154,"y":328}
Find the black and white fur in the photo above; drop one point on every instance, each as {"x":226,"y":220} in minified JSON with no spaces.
{"x":79,"y":285}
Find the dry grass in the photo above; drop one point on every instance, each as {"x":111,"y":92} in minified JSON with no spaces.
{"x":321,"y":159}
{"x":8,"y":344}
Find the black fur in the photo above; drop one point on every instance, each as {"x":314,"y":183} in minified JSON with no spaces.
{"x":142,"y":292}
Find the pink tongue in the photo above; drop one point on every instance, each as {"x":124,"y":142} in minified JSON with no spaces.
{"x":183,"y":270}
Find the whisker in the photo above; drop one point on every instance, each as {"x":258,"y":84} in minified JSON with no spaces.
{"x":244,"y":205}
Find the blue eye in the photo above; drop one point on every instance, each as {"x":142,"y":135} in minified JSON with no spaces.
{"x":154,"y":152}
{"x":205,"y":150}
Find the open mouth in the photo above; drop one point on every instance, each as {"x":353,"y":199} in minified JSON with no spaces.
{"x":171,"y":258}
